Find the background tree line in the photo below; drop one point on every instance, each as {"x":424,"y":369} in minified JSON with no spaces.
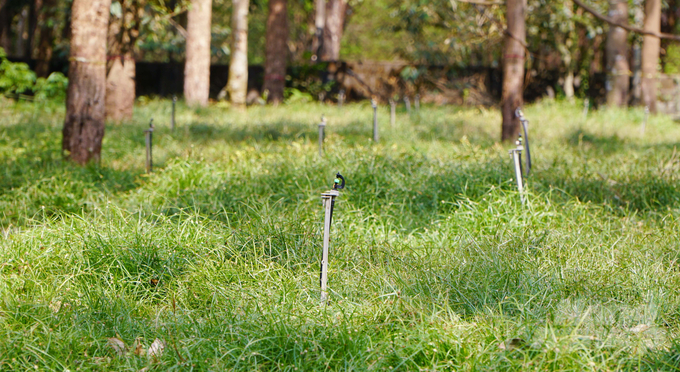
{"x":103,"y":38}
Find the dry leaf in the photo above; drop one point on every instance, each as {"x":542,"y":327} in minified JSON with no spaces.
{"x":511,"y":344}
{"x":138,"y":348}
{"x":145,"y":369}
{"x":639,"y":328}
{"x":156,"y":348}
{"x":117,"y":345}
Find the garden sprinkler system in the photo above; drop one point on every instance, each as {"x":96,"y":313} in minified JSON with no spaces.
{"x":172,"y":120}
{"x":586,"y":107}
{"x":525,"y":127}
{"x":328,"y":199}
{"x":407,"y":102}
{"x":322,"y":135}
{"x":375,"y":120}
{"x":341,"y":98}
{"x":148,"y":134}
{"x":516,"y":154}
{"x":393,"y":112}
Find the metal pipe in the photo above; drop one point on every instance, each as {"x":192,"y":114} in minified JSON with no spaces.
{"x":328,"y":199}
{"x":407,"y":101}
{"x":172,"y":120}
{"x":376,"y":136}
{"x":417,"y":104}
{"x":341,"y":98}
{"x":148,"y":134}
{"x":393,"y":112}
{"x":322,"y":135}
{"x":586,"y":106}
{"x":516,"y":154}
{"x":525,"y":127}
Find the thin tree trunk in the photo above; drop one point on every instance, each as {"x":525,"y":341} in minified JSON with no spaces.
{"x":238,"y":67}
{"x":120,"y":68}
{"x":5,"y":23}
{"x":197,"y":66}
{"x":276,"y":50}
{"x":513,"y":68}
{"x":22,"y":33}
{"x":650,"y":53}
{"x":320,"y":25}
{"x":34,"y":13}
{"x":618,"y":70}
{"x":46,"y":45}
{"x":84,"y":124}
{"x":335,"y":22}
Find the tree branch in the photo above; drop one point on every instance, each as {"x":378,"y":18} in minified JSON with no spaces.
{"x":604,"y":18}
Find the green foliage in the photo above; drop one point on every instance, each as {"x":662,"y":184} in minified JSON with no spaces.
{"x":54,"y":87}
{"x":672,"y":65}
{"x":15,"y":78}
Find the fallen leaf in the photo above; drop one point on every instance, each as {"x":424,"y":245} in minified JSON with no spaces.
{"x":117,"y":345}
{"x":156,"y":348}
{"x":145,"y":369}
{"x":511,"y":344}
{"x":639,"y":328}
{"x":55,"y":306}
{"x":138,"y":348}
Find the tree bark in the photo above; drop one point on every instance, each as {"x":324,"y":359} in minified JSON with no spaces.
{"x":22,"y":33}
{"x":513,"y":68}
{"x":34,"y":13}
{"x":84,"y":124}
{"x":320,"y":25}
{"x":276,"y":50}
{"x":120,"y":65}
{"x":5,"y":23}
{"x":335,"y":22}
{"x":650,"y":53}
{"x":46,"y":45}
{"x":618,"y":69}
{"x":197,"y":66}
{"x":238,"y":67}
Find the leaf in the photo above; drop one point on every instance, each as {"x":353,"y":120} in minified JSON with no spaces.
{"x":156,"y":348}
{"x":639,"y":328}
{"x":138,"y":348}
{"x":117,"y":345}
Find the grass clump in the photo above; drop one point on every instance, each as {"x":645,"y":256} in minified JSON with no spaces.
{"x":435,"y":264}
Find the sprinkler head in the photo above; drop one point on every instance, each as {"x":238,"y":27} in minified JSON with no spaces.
{"x":339,"y":182}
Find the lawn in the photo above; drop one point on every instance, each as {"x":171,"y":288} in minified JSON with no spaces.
{"x":435,"y":264}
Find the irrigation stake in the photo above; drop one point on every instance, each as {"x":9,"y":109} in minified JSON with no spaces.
{"x":407,"y":102}
{"x":644,"y":121}
{"x":375,"y":120}
{"x":328,"y":199}
{"x":341,"y":98}
{"x":148,"y":134}
{"x":586,"y":106}
{"x":393,"y":112}
{"x":516,"y":154}
{"x":172,"y":120}
{"x":417,"y":104}
{"x":322,"y":127}
{"x":525,"y":126}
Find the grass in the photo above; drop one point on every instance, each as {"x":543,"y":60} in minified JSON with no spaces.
{"x":435,"y":264}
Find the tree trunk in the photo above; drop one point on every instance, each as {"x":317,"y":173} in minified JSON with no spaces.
{"x":46,"y":45}
{"x":238,"y":67}
{"x":513,"y":68}
{"x":320,"y":25}
{"x":5,"y":23}
{"x":335,"y":22}
{"x":650,"y":53}
{"x":22,"y":33}
{"x":34,"y":13}
{"x":276,"y":50}
{"x":618,"y":70}
{"x":197,"y":66}
{"x":120,"y":67}
{"x":84,"y":124}
{"x":120,"y":88}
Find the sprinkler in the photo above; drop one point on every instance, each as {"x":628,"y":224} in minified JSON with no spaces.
{"x":644,"y":121}
{"x":525,"y":126}
{"x":322,"y":127}
{"x":393,"y":112}
{"x":148,"y":134}
{"x":172,"y":121}
{"x":516,"y":154}
{"x":375,"y":120}
{"x":328,"y":199}
{"x":341,"y":98}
